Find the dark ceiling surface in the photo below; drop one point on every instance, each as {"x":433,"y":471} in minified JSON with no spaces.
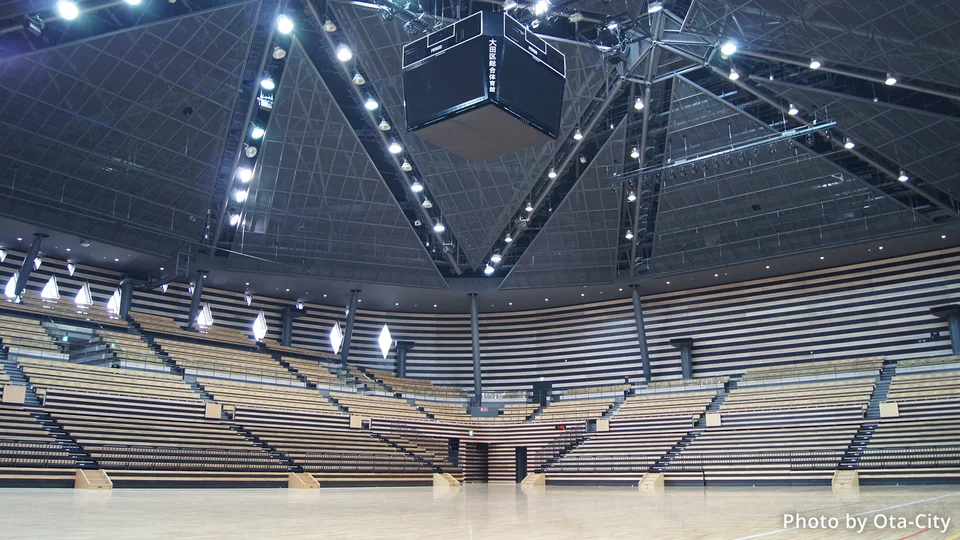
{"x":118,"y":132}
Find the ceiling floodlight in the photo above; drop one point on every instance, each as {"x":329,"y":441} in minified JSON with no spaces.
{"x":890,"y":80}
{"x":438,"y":227}
{"x":552,"y":173}
{"x":654,"y":7}
{"x":284,"y":24}
{"x":632,"y":196}
{"x":629,"y":235}
{"x":903,"y":176}
{"x":344,"y":54}
{"x":267,"y":83}
{"x":68,"y":10}
{"x":638,"y":103}
{"x":815,"y":64}
{"x":577,"y":135}
{"x":329,"y":26}
{"x":541,"y":7}
{"x":728,"y":48}
{"x":240,"y":195}
{"x":257,"y":132}
{"x":244,"y":174}
{"x":508,"y":238}
{"x":163,"y":288}
{"x":734,"y":74}
{"x":10,"y":290}
{"x":358,"y":79}
{"x":635,"y":153}
{"x":416,"y":186}
{"x":496,"y":258}
{"x":488,"y":270}
{"x":406,"y":166}
{"x":370,"y":104}
{"x":793,"y":110}
{"x":394,"y":147}
{"x":384,"y":125}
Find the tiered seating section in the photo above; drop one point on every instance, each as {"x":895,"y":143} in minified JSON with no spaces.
{"x":47,"y":374}
{"x":29,"y":454}
{"x":571,"y":410}
{"x":212,"y":361}
{"x":64,"y":308}
{"x":459,"y":413}
{"x":164,"y":325}
{"x":318,"y":371}
{"x":686,"y":404}
{"x":380,"y":406}
{"x":244,"y":394}
{"x":410,"y":387}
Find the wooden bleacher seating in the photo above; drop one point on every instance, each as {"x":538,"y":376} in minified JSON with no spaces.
{"x":64,"y":308}
{"x":454,"y":412}
{"x":377,"y":406}
{"x":238,"y":393}
{"x":409,"y":386}
{"x":29,"y":455}
{"x":568,"y":410}
{"x":317,"y":371}
{"x":46,"y":374}
{"x":687,"y":404}
{"x":925,"y":393}
{"x":597,"y":390}
{"x":915,"y":450}
{"x":156,"y":324}
{"x":816,"y":370}
{"x":213,"y":361}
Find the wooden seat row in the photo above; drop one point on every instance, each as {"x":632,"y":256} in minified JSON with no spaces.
{"x":567,"y":410}
{"x":412,"y":387}
{"x":377,"y":406}
{"x":237,"y":393}
{"x":46,"y":374}
{"x":816,"y":370}
{"x":687,"y":404}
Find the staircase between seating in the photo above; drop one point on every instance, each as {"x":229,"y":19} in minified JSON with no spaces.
{"x":300,"y":376}
{"x":866,"y":430}
{"x":718,"y":400}
{"x":261,"y":445}
{"x":12,"y":369}
{"x":197,"y":387}
{"x":419,"y":454}
{"x":661,"y":464}
{"x":51,"y":426}
{"x":554,"y":451}
{"x":616,"y":406}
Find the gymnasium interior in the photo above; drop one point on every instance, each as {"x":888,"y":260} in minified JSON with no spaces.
{"x":480,"y":269}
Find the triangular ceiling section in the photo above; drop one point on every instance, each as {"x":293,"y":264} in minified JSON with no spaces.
{"x":134,"y":120}
{"x":318,"y":204}
{"x":762,"y":201}
{"x":916,"y":39}
{"x":477,"y":199}
{"x":578,"y":244}
{"x":922,"y":143}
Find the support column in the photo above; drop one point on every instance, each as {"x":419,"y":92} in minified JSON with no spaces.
{"x":951,"y":313}
{"x":286,"y":330}
{"x":641,"y":334}
{"x":402,"y":348}
{"x":195,"y":300}
{"x":26,"y":267}
{"x":686,"y":362}
{"x":348,"y":333}
{"x":126,"y":298}
{"x":475,"y":338}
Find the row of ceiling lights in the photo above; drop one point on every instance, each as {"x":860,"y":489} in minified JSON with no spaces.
{"x":729,"y":48}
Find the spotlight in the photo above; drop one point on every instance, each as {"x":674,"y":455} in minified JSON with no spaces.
{"x":733,"y":74}
{"x":370,"y":104}
{"x":793,"y":111}
{"x":552,"y":173}
{"x":848,"y":144}
{"x":279,"y":53}
{"x":541,"y":7}
{"x":496,"y":258}
{"x":250,"y":151}
{"x":528,"y":207}
{"x":244,"y":174}
{"x":344,"y":54}
{"x":329,"y":26}
{"x":284,"y":24}
{"x":384,"y":125}
{"x":632,"y":196}
{"x":508,"y":238}
{"x":133,"y":2}
{"x":68,"y":10}
{"x":635,"y":153}
{"x":612,"y":25}
{"x":815,"y":64}
{"x":629,"y":235}
{"x":358,"y":79}
{"x":257,"y":132}
{"x":426,"y":204}
{"x":903,"y":176}
{"x":638,"y":104}
{"x":267,"y":83}
{"x":577,"y":135}
{"x":395,"y":147}
{"x":583,"y":159}
{"x":34,"y":24}
{"x":654,"y":7}
{"x":240,"y":195}
{"x":890,"y":80}
{"x":488,"y":270}
{"x":406,"y":166}
{"x":438,"y":227}
{"x":234,"y":219}
{"x":728,"y":48}
{"x":416,"y":187}
{"x":509,"y":4}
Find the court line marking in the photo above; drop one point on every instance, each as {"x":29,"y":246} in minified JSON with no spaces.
{"x":918,"y":533}
{"x":778,"y":531}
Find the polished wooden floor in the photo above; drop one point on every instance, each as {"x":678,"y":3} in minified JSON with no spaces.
{"x":475,"y":512}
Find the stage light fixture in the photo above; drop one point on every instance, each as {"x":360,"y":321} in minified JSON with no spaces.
{"x":279,"y":53}
{"x":257,"y":133}
{"x":728,"y":48}
{"x":734,"y":75}
{"x":416,"y":187}
{"x":903,"y":176}
{"x":577,"y":134}
{"x":438,"y":227}
{"x":890,"y":80}
{"x":552,"y":173}
{"x":329,"y":26}
{"x":68,"y":10}
{"x":384,"y":125}
{"x":528,"y":207}
{"x":344,"y":54}
{"x":815,"y":64}
{"x":244,"y":174}
{"x":234,"y":220}
{"x":635,"y":153}
{"x":638,"y":103}
{"x":508,"y":238}
{"x":240,"y":195}
{"x":358,"y":79}
{"x":406,"y":166}
{"x":267,"y":82}
{"x":496,"y":258}
{"x":488,"y":270}
{"x":394,"y":147}
{"x":426,"y":204}
{"x":793,"y":110}
{"x":284,"y":24}
{"x":250,"y":151}
{"x":632,"y":196}
{"x":849,"y":144}
{"x":370,"y":104}
{"x":629,"y":235}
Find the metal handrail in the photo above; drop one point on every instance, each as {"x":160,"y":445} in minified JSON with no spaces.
{"x":909,"y":457}
{"x":354,"y":462}
{"x":829,"y":369}
{"x":16,"y":453}
{"x":807,"y":460}
{"x":227,"y":371}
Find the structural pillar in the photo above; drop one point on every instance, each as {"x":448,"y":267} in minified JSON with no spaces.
{"x":402,"y":348}
{"x":475,"y":338}
{"x":195,"y":300}
{"x":951,"y":313}
{"x":126,"y":298}
{"x":686,"y":363}
{"x":286,"y":330}
{"x":641,"y":334}
{"x":26,"y":267}
{"x":348,"y":333}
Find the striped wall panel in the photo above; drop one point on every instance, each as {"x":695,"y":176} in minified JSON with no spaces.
{"x":845,"y":312}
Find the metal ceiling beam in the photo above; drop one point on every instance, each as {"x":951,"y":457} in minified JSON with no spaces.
{"x":848,"y":73}
{"x":927,"y":195}
{"x":658,"y":22}
{"x":248,"y":116}
{"x":427,"y":218}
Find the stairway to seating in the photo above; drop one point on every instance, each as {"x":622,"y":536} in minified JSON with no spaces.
{"x":10,"y":373}
{"x":881,"y":390}
{"x":571,"y":409}
{"x":31,"y":452}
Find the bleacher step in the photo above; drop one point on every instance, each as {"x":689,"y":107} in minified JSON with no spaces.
{"x":12,"y":369}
